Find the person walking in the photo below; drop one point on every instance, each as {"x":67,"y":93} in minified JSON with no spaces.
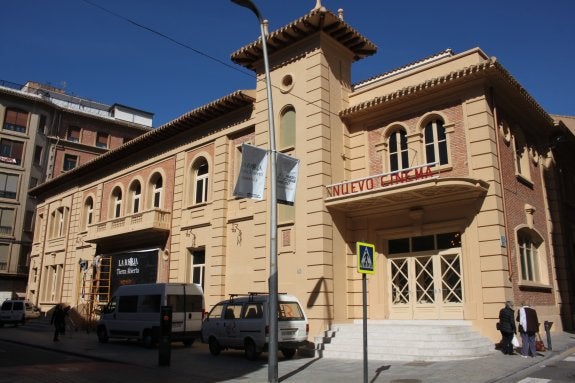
{"x":58,"y":320}
{"x":528,"y":327}
{"x":507,"y":328}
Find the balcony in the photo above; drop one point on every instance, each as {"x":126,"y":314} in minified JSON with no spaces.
{"x":149,"y":225}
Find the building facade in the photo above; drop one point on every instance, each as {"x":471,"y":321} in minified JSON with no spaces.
{"x":45,"y":133}
{"x":446,"y":165}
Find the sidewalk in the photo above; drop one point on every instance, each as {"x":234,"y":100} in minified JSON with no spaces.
{"x":197,"y":364}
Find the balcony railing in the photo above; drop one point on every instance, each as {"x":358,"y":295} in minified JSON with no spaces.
{"x":151,"y":220}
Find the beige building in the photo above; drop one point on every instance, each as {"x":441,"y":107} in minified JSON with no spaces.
{"x":45,"y":133}
{"x":446,"y":165}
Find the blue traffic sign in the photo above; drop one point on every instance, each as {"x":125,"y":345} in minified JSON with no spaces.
{"x":365,"y":258}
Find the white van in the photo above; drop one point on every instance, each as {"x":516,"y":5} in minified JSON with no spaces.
{"x":134,"y":312}
{"x":12,"y":311}
{"x":241,"y":323}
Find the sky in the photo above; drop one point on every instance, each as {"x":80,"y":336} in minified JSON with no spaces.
{"x":170,"y":57}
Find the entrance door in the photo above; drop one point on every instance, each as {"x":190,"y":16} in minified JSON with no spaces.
{"x":426,"y":285}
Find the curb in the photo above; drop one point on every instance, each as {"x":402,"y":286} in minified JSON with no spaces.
{"x":553,"y":355}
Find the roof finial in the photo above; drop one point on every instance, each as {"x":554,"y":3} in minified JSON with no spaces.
{"x":317,"y":5}
{"x":340,"y":14}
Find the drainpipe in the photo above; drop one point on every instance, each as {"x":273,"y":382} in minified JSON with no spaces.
{"x":496,"y":122}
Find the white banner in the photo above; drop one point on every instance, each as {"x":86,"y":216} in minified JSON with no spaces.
{"x":252,"y":177}
{"x":286,"y":178}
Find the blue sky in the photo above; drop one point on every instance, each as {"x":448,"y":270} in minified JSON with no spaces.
{"x":92,"y":53}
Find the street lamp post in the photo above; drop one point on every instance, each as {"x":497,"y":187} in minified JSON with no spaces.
{"x":273,"y":277}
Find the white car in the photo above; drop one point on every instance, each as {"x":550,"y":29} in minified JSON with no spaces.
{"x":31,"y":311}
{"x":241,"y":323}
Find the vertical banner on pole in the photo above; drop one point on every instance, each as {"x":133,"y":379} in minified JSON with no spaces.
{"x":252,"y":177}
{"x":286,"y":178}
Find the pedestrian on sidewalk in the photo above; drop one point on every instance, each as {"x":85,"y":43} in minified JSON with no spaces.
{"x":507,"y":328}
{"x":58,"y":320}
{"x":528,"y":327}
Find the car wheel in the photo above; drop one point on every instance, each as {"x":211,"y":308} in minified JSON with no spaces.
{"x":288,"y":352}
{"x":215,"y":348}
{"x":147,"y":339}
{"x":250,"y":349}
{"x":188,"y":342}
{"x":102,"y":335}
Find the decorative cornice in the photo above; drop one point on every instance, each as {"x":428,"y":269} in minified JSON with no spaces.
{"x":490,"y":67}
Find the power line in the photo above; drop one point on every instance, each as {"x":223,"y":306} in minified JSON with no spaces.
{"x":166,"y":37}
{"x":197,"y":51}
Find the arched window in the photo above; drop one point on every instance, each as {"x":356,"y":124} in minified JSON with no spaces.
{"x":117,"y":202}
{"x":287,"y":128}
{"x":157,"y":192}
{"x":398,"y":154}
{"x":201,"y":181}
{"x":435,"y":143}
{"x":531,"y":256}
{"x":88,"y":211}
{"x":136,"y":195}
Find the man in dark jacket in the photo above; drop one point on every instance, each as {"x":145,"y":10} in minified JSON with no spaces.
{"x":58,"y":320}
{"x":528,"y":327}
{"x":507,"y":328}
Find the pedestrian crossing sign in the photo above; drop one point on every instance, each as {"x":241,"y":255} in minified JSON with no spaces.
{"x":365,"y":258}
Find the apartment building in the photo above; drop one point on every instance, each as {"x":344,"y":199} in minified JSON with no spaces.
{"x":46,"y":133}
{"x":447,"y":165}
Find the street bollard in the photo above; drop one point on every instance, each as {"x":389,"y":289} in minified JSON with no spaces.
{"x":547,"y":326}
{"x":164,"y":347}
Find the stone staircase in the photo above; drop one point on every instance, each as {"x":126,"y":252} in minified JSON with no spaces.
{"x":404,"y":340}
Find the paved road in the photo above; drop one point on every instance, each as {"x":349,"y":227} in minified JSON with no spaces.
{"x":196,"y":363}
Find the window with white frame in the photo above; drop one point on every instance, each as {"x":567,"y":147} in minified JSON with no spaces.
{"x":398,"y":154}
{"x":197,"y":266}
{"x":530,"y":246}
{"x":201,"y":181}
{"x":157,"y":187}
{"x":117,"y":203}
{"x":88,"y":211}
{"x":136,"y":195}
{"x":58,"y":222}
{"x":52,"y":281}
{"x":62,"y":214}
{"x":435,"y":143}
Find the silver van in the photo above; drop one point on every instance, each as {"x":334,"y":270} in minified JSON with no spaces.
{"x":241,"y":323}
{"x":133,"y":312}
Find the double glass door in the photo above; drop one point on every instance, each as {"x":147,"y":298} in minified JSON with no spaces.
{"x":426,"y":285}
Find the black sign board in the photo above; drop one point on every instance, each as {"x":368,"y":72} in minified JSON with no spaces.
{"x":134,"y":267}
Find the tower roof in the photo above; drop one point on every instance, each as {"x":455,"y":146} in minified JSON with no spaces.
{"x":317,"y":20}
